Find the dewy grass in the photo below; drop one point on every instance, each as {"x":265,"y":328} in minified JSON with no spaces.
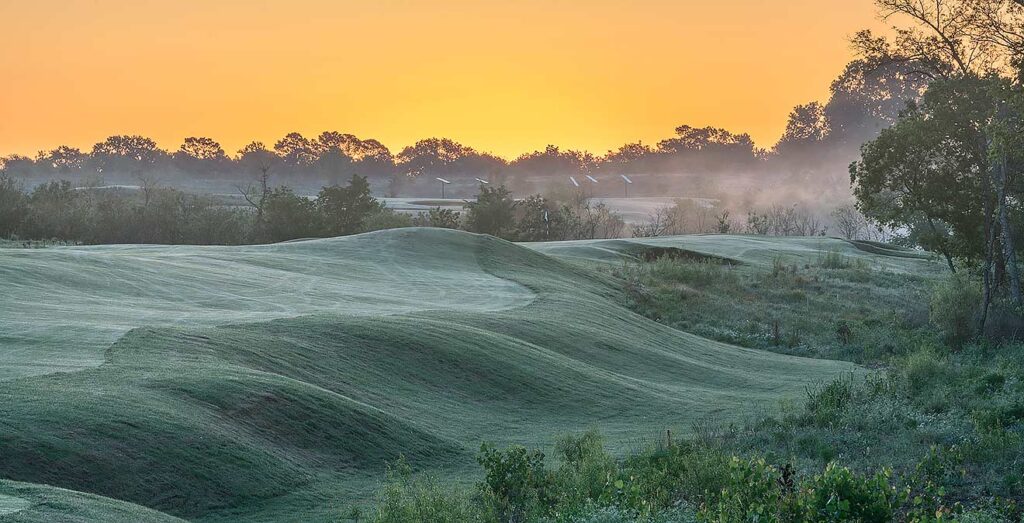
{"x":790,"y":299}
{"x":268,"y":383}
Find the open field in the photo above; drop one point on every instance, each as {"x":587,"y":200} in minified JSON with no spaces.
{"x":274,"y":382}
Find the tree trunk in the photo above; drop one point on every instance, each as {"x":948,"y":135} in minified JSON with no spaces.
{"x":943,"y":249}
{"x":1009,"y":253}
{"x":986,"y":275}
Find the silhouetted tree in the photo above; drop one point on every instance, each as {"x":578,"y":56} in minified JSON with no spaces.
{"x":807,"y":128}
{"x":63,"y":160}
{"x":344,"y":209}
{"x":129,"y":154}
{"x":493,"y":212}
{"x":18,"y":166}
{"x":289,"y":216}
{"x":432,"y":155}
{"x":255,"y":158}
{"x":12,"y":206}
{"x":710,"y":148}
{"x":295,"y":151}
{"x":553,"y":161}
{"x":201,"y":155}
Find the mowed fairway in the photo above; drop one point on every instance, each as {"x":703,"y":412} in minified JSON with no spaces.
{"x":274,"y":382}
{"x":62,"y":308}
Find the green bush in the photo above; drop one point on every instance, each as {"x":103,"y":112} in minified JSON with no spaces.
{"x":840,"y":495}
{"x":922,"y":370}
{"x":826,"y":403}
{"x":758,"y":492}
{"x":516,"y":482}
{"x":587,"y":472}
{"x":833,"y":260}
{"x":976,"y":516}
{"x":386,"y":219}
{"x":618,"y":515}
{"x":953,"y":309}
{"x":438,"y":217}
{"x":407,"y":498}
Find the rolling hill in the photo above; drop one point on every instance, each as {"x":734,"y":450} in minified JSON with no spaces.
{"x":274,"y":382}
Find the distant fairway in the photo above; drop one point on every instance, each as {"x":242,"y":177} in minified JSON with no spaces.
{"x":273,"y":382}
{"x":753,"y":250}
{"x":62,"y":308}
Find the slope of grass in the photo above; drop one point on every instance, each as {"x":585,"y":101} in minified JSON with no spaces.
{"x":261,"y":382}
{"x":28,"y":503}
{"x":751,"y":250}
{"x":937,"y":431}
{"x":830,"y":308}
{"x":819,"y":297}
{"x":81,"y":299}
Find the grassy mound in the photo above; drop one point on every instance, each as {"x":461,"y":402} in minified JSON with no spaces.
{"x":256,"y":382}
{"x":62,"y":307}
{"x":28,"y":503}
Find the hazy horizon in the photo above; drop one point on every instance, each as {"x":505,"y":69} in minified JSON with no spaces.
{"x":588,"y":78}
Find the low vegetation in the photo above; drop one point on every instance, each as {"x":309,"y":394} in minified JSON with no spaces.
{"x":251,"y":401}
{"x":57,"y":212}
{"x":936,"y":434}
{"x":831,"y":307}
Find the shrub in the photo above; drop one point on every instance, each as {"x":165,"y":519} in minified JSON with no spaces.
{"x":515,"y":482}
{"x":438,"y":217}
{"x":922,"y":370}
{"x":493,"y":212}
{"x":833,"y":260}
{"x":953,"y":309}
{"x":825,"y":403}
{"x":840,"y":495}
{"x":977,"y":516}
{"x":758,"y":492}
{"x":755,"y":492}
{"x":618,"y":515}
{"x":406,"y":498}
{"x":386,"y":219}
{"x":587,"y":471}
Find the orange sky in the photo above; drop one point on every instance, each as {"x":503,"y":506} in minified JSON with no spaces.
{"x":502,"y":76}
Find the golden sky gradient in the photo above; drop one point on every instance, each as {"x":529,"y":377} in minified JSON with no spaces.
{"x":502,"y":76}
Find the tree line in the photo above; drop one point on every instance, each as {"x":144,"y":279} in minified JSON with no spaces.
{"x":865,"y":98}
{"x":59,"y":211}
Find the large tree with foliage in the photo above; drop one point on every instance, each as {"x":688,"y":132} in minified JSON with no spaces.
{"x":924,"y":174}
{"x":951,"y":163}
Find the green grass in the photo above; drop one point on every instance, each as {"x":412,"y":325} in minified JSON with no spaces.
{"x":62,"y":307}
{"x":943,"y":412}
{"x":816,"y":297}
{"x":273,"y":383}
{"x":750,"y":250}
{"x":27,"y":503}
{"x":936,"y":434}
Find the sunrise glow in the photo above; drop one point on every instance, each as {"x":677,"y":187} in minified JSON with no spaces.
{"x":505,"y":77}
